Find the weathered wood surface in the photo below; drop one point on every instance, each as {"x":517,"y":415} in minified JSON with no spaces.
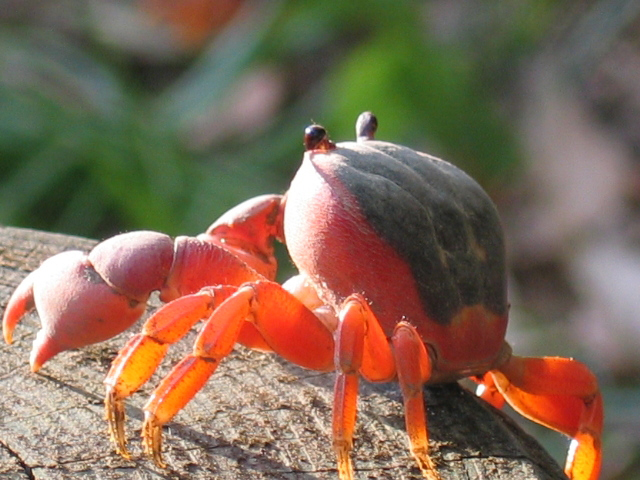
{"x":259,"y":417}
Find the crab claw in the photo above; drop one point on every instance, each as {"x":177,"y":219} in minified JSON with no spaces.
{"x":83,"y":299}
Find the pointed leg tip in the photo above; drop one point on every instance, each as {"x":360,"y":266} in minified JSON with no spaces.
{"x":122,"y":450}
{"x":120,"y":444}
{"x":152,"y":439}
{"x":343,"y":457}
{"x":159,"y":462}
{"x":115,"y":416}
{"x":426,"y":464}
{"x":345,"y":467}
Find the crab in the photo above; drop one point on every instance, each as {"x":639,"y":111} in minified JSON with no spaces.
{"x":401,"y":277}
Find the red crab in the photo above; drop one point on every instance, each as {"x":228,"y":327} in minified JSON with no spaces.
{"x":402,"y":276}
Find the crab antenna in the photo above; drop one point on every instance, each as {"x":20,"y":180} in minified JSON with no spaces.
{"x":366,"y":126}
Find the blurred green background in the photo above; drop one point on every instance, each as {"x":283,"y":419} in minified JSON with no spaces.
{"x":155,"y":114}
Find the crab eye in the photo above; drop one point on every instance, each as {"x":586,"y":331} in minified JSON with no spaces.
{"x":314,"y":135}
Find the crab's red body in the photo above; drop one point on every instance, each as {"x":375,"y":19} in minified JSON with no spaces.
{"x":402,"y":276}
{"x":349,"y":229}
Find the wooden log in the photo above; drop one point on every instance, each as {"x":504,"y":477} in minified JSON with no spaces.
{"x":259,"y":417}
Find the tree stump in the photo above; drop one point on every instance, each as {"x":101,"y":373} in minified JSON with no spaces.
{"x":258,"y":417}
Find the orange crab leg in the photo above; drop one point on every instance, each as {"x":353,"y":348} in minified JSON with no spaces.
{"x":414,"y":369}
{"x":348,"y":359}
{"x":561,"y":394}
{"x":142,"y":354}
{"x":358,"y":336}
{"x":290,"y":328}
{"x":285,"y":324}
{"x":345,"y":399}
{"x":215,"y":341}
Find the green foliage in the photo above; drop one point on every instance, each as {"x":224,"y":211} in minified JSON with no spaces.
{"x":78,"y":153}
{"x":89,"y":145}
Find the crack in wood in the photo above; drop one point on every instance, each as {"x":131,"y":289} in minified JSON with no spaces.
{"x":15,"y":455}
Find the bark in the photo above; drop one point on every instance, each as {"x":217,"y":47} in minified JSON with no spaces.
{"x":258,"y":417}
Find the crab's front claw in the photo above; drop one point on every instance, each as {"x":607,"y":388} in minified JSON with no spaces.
{"x":83,"y":299}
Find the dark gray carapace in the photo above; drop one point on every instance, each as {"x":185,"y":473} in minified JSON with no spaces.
{"x":436,"y":217}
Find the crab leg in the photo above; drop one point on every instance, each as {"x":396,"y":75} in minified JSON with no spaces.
{"x":561,"y":394}
{"x":414,"y":369}
{"x":216,"y":340}
{"x":349,"y":353}
{"x":287,"y":326}
{"x":142,"y":354}
{"x":358,"y":336}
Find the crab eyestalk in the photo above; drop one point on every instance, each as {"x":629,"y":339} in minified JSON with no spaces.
{"x":366,"y":126}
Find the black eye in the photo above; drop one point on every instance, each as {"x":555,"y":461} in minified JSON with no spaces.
{"x":314,"y":135}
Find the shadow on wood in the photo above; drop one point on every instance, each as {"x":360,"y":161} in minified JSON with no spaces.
{"x":258,"y":417}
